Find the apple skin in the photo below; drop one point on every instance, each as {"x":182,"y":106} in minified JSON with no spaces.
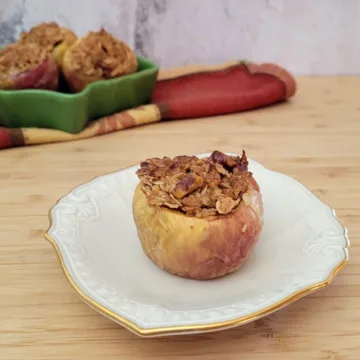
{"x":199,"y":248}
{"x":75,"y":81}
{"x":43,"y":76}
{"x":59,"y":52}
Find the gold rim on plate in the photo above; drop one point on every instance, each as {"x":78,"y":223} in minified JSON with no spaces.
{"x":173,"y":330}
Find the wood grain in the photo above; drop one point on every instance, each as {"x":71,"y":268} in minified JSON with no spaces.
{"x":313,"y":138}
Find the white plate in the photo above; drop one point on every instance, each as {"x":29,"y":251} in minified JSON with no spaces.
{"x":301,"y":248}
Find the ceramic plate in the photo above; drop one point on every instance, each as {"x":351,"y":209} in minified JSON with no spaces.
{"x":300,"y":250}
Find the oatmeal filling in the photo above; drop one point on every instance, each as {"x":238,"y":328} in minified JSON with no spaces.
{"x":199,"y":187}
{"x":17,"y":58}
{"x":47,"y":36}
{"x":101,"y":55}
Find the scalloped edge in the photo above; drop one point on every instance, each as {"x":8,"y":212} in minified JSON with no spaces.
{"x":197,"y":328}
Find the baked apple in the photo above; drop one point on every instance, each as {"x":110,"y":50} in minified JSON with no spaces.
{"x":198,"y":218}
{"x":97,"y":56}
{"x":51,"y":37}
{"x":27,"y":66}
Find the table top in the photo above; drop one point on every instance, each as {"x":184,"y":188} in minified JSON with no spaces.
{"x":313,"y":138}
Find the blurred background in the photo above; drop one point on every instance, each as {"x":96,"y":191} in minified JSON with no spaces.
{"x":307,"y":37}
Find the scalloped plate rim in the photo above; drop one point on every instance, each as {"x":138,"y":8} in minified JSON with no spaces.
{"x":195,"y":328}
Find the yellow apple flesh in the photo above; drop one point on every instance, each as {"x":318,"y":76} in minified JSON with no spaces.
{"x":199,"y":248}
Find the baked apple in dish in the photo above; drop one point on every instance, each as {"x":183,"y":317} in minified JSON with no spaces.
{"x":97,"y":56}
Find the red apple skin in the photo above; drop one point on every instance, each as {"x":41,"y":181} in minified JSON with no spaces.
{"x":44,"y":76}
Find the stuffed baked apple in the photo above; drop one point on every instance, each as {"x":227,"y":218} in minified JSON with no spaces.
{"x":198,"y":218}
{"x":97,"y":56}
{"x":51,"y":37}
{"x":27,"y":66}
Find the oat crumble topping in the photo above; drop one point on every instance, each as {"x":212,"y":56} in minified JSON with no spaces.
{"x":199,"y":187}
{"x":17,"y":58}
{"x":101,"y":55}
{"x":47,"y":35}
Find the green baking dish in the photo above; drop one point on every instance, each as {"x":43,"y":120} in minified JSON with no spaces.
{"x":72,"y":112}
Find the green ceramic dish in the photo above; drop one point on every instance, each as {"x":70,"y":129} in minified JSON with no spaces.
{"x":71,"y":112}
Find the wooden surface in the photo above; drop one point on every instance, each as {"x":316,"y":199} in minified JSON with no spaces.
{"x":314,"y":138}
